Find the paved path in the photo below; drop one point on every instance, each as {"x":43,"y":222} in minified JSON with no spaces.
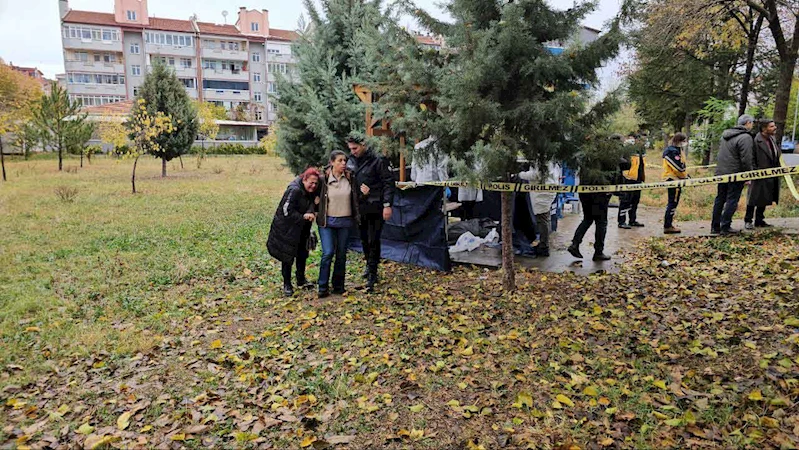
{"x":617,"y":239}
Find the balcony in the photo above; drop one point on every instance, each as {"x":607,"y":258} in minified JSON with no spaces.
{"x":230,"y":55}
{"x":94,"y":67}
{"x":158,"y":49}
{"x":226,"y":95}
{"x":98,"y":89}
{"x":190,"y":72}
{"x":192,"y":93}
{"x":279,"y":57}
{"x":226,"y":75}
{"x":88,"y":44}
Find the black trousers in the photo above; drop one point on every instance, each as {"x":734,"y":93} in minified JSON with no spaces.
{"x":300,"y":259}
{"x":371,"y":230}
{"x":595,"y":211}
{"x":628,"y":207}
{"x":756,"y":212}
{"x":727,"y":197}
{"x":671,"y":206}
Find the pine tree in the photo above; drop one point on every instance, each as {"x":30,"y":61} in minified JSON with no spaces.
{"x":60,"y":122}
{"x":501,"y":93}
{"x":319,"y":111}
{"x":163,"y":92}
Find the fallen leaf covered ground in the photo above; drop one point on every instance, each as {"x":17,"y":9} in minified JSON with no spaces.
{"x":694,"y":344}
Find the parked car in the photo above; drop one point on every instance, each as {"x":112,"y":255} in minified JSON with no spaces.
{"x":788,"y":146}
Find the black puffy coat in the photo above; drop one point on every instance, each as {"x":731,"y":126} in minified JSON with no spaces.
{"x":735,"y":152}
{"x":372,"y":170}
{"x":285,"y":235}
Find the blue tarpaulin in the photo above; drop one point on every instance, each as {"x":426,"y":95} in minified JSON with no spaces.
{"x":415,"y":234}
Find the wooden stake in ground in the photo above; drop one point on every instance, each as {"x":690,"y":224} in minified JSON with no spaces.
{"x":2,"y":159}
{"x":508,"y":271}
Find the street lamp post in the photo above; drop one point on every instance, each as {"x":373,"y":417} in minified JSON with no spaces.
{"x":795,"y":116}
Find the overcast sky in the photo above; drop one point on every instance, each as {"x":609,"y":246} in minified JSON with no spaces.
{"x":30,"y":31}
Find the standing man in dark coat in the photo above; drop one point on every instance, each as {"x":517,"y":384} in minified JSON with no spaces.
{"x":735,"y":155}
{"x":376,"y":185}
{"x":763,"y":193}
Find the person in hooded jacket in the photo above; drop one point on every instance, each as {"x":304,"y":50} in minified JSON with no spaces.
{"x":375,"y":183}
{"x":735,"y":155}
{"x":291,"y":228}
{"x":338,"y":214}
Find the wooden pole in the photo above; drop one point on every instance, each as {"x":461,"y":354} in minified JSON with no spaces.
{"x":402,"y":174}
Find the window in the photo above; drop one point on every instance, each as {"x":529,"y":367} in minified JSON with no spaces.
{"x":134,"y":49}
{"x":254,"y":26}
{"x":132,"y":15}
{"x":168,"y":39}
{"x":256,"y":77}
{"x":171,"y":61}
{"x":97,"y":57}
{"x":257,"y":97}
{"x":86,"y":34}
{"x":97,"y":35}
{"x":209,"y":64}
{"x":256,"y":57}
{"x":109,"y":58}
{"x":189,"y":82}
{"x":136,"y":91}
{"x":271,"y":87}
{"x":273,"y":51}
{"x":135,"y":70}
{"x":81,"y":56}
{"x":259,"y":115}
{"x":226,"y":85}
{"x":277,"y":68}
{"x":185,"y":63}
{"x":94,"y":78}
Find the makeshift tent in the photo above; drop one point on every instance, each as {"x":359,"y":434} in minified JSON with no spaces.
{"x":416,"y":232}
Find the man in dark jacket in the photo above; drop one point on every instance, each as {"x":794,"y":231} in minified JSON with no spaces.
{"x":735,"y":155}
{"x":376,"y":185}
{"x":763,"y":193}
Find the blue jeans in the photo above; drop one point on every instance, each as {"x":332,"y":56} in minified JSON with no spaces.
{"x":726,"y":203}
{"x":334,"y":243}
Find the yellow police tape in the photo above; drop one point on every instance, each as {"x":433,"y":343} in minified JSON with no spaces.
{"x":789,"y":180}
{"x":785,"y":171}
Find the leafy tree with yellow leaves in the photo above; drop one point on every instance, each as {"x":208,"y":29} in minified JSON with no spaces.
{"x":146,"y":131}
{"x":18,"y":94}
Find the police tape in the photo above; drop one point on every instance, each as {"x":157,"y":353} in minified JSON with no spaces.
{"x":789,"y":180}
{"x":700,"y":167}
{"x":785,"y":171}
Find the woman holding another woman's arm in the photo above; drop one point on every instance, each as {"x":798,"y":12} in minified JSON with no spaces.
{"x":291,"y":227}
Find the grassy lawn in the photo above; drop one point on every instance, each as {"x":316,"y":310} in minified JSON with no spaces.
{"x":697,"y":203}
{"x":154,"y":321}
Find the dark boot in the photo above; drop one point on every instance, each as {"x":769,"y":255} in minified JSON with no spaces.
{"x":600,"y":256}
{"x":288,"y":290}
{"x":574,"y":250}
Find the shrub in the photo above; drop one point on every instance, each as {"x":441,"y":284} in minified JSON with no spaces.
{"x":228,"y":148}
{"x":66,"y":194}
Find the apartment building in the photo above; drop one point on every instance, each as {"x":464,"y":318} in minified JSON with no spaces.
{"x":107,"y":55}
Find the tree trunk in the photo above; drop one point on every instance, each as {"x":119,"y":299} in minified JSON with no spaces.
{"x":783,"y":95}
{"x":2,"y":159}
{"x":754,"y":35}
{"x":81,"y":159}
{"x":163,"y":167}
{"x":60,"y":159}
{"x":508,"y":271}
{"x":133,"y":176}
{"x":180,"y":157}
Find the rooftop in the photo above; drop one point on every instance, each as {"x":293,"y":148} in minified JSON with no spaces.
{"x":183,"y":26}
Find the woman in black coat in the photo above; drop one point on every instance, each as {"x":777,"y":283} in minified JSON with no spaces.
{"x":291,"y":227}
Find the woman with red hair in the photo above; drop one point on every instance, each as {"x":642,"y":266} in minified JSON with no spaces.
{"x":291,"y":228}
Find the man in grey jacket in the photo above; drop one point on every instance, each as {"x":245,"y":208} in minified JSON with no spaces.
{"x":735,"y":155}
